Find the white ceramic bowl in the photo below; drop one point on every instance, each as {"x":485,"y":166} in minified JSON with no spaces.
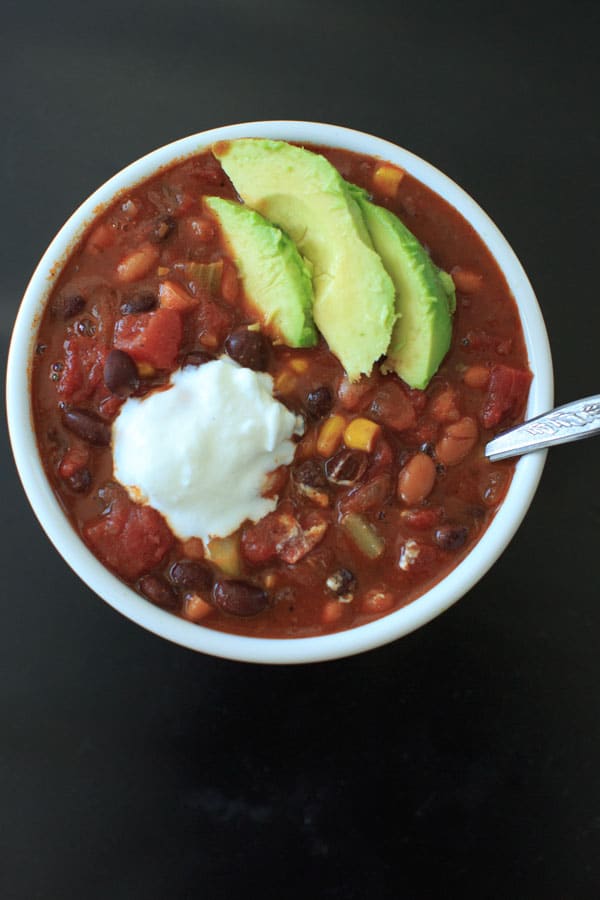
{"x":122,"y":598}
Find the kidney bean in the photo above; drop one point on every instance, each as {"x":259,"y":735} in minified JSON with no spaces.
{"x":416,"y":480}
{"x":143,"y":301}
{"x":319,"y":402}
{"x":120,"y":373}
{"x":190,"y":574}
{"x":346,"y":467}
{"x":80,"y":481}
{"x":451,"y":537}
{"x":87,"y":426}
{"x":239,"y":598}
{"x":72,"y":305}
{"x":158,"y":591}
{"x":457,"y":441}
{"x":370,"y":495}
{"x":248,"y":348}
{"x":197,"y":358}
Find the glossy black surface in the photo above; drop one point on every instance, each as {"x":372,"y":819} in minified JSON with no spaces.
{"x":460,"y":761}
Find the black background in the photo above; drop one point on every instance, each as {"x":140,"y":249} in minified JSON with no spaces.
{"x":460,"y":761}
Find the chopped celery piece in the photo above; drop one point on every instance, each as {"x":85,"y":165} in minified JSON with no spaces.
{"x":364,"y":535}
{"x":205,"y":276}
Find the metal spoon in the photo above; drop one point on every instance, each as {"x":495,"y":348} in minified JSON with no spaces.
{"x":571,"y":422}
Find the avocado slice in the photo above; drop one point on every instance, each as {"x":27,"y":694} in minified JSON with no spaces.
{"x":425,"y":296}
{"x":307,"y":197}
{"x":276,"y":280}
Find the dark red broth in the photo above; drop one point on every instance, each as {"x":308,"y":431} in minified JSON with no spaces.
{"x":301,"y":572}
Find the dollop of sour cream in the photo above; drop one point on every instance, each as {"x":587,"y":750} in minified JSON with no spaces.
{"x":199,"y":451}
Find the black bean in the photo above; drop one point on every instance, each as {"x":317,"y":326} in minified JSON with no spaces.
{"x":311,"y":473}
{"x":319,"y":402}
{"x":163,"y":228}
{"x":187,"y":573}
{"x":143,"y":301}
{"x":343,"y":581}
{"x":72,"y":305}
{"x":120,"y":373}
{"x":86,"y":327}
{"x":239,"y":598}
{"x":87,"y":426}
{"x":451,"y":537}
{"x":80,"y":481}
{"x":197,"y":358}
{"x":346,"y":467}
{"x":158,"y":591}
{"x":248,"y":348}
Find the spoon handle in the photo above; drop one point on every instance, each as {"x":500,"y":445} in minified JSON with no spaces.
{"x":571,"y":422}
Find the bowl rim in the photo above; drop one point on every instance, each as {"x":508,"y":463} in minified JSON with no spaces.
{"x":197,"y":637}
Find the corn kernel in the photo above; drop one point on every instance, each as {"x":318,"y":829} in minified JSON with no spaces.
{"x":162,"y":270}
{"x":361,"y":434}
{"x":330,"y":435}
{"x":145,"y":370}
{"x":285,"y":382}
{"x":386,"y":179}
{"x":299,"y":365}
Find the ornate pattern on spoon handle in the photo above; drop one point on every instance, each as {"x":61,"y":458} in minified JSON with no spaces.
{"x":571,"y":422}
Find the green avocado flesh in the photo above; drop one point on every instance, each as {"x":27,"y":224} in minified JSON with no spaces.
{"x":305,"y":195}
{"x":276,"y":280}
{"x":424,"y":297}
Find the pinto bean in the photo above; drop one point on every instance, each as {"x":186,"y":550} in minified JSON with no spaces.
{"x":158,"y":591}
{"x":457,"y":441}
{"x":87,"y":426}
{"x":248,"y":348}
{"x":239,"y":598}
{"x":416,"y":480}
{"x":138,"y":263}
{"x":120,"y":373}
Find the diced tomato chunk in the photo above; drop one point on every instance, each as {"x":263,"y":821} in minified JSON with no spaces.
{"x":507,"y":392}
{"x":130,"y":539}
{"x":424,"y":518}
{"x":280,"y":534}
{"x":214,"y":323}
{"x":152,"y":337}
{"x":83,"y":368}
{"x":175,"y":296}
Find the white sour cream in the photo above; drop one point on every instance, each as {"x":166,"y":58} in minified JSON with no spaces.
{"x":199,"y":451}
